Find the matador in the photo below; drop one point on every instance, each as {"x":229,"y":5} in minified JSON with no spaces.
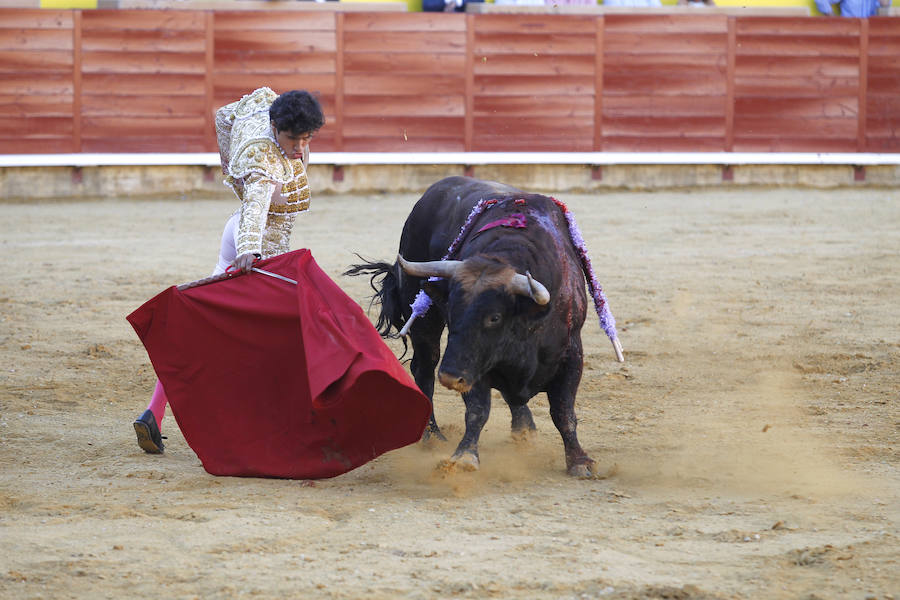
{"x":264,"y":147}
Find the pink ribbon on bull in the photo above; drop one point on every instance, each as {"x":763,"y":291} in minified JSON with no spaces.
{"x":516,"y":221}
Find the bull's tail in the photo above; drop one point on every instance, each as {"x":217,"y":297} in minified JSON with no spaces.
{"x":386,"y":287}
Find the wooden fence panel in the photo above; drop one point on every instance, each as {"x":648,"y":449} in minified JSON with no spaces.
{"x":404,"y":82}
{"x":664,"y":83}
{"x":142,"y":81}
{"x":797,"y":85}
{"x":533,"y":83}
{"x":883,"y":78}
{"x":282,"y":50}
{"x":36,"y":81}
{"x":149,"y":81}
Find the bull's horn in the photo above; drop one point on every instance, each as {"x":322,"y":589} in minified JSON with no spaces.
{"x":434,"y":268}
{"x":526,"y":285}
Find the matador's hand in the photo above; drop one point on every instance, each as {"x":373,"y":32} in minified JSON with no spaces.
{"x":244,"y":262}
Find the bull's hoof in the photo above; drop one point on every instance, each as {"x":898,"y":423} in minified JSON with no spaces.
{"x":582,"y":469}
{"x":432,"y":435}
{"x":523,"y":436}
{"x":465,"y":462}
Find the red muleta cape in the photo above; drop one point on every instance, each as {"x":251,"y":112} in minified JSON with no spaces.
{"x":271,"y":379}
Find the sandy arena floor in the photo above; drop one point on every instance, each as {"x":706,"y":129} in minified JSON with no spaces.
{"x":753,"y":433}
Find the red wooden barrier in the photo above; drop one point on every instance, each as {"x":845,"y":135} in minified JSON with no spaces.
{"x":143,"y":81}
{"x":36,"y":81}
{"x":665,"y":82}
{"x":881,"y":126}
{"x":533,"y":83}
{"x":404,"y":82}
{"x":149,"y":81}
{"x":797,"y":85}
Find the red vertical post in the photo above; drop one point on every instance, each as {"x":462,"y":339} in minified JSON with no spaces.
{"x":862,"y":112}
{"x":599,"y":24}
{"x":470,"y":84}
{"x":76,"y":81}
{"x":209,"y":131}
{"x":339,"y":82}
{"x":729,"y":85}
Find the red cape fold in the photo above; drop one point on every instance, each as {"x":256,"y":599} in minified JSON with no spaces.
{"x":271,"y":379}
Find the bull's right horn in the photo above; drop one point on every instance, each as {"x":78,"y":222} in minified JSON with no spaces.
{"x":434,"y":268}
{"x":526,"y":285}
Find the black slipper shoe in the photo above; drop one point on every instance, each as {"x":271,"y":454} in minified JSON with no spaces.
{"x":148,"y":435}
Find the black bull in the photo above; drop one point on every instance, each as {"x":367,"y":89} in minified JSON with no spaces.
{"x":515,"y":338}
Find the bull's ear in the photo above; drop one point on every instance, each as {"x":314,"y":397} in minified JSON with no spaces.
{"x":436,"y":289}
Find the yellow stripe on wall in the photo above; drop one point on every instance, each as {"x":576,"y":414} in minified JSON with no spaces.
{"x":68,"y":4}
{"x":411,"y":5}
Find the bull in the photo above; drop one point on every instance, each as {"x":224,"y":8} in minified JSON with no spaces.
{"x":512,"y":296}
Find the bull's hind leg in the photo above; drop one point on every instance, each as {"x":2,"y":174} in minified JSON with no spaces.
{"x":426,"y":343}
{"x":561,"y":395}
{"x":478,"y":409}
{"x":522,"y":424}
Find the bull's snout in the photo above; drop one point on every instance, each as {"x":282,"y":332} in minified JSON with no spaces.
{"x":454,"y":382}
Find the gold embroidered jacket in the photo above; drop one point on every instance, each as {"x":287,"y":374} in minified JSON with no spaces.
{"x":272,"y":188}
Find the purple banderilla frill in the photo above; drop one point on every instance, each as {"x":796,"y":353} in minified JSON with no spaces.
{"x":422,"y":302}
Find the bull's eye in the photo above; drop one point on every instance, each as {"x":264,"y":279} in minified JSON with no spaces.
{"x":492,"y":320}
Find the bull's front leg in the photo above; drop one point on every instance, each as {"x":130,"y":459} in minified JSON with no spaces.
{"x":478,"y":409}
{"x":561,"y":395}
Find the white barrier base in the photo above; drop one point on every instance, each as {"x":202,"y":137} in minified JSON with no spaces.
{"x":211,"y":159}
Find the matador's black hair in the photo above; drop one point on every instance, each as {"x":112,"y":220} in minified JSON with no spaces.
{"x":296,"y":111}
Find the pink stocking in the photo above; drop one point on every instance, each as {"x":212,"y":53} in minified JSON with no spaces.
{"x":158,"y":403}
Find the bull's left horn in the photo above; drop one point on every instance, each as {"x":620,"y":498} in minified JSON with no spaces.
{"x":434,"y":268}
{"x":526,"y":285}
